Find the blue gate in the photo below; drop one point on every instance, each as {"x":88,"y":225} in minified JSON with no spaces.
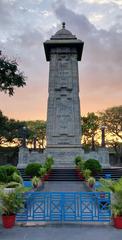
{"x":66,"y":207}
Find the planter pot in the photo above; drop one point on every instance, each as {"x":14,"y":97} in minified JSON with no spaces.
{"x":42,"y":179}
{"x":35,"y":186}
{"x":46,"y":177}
{"x":8,"y":221}
{"x":118,"y":222}
{"x":77,"y":170}
{"x":9,"y":190}
{"x":91,"y":185}
{"x":81,"y":176}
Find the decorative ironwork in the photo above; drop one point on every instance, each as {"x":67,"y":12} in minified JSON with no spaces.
{"x":66,"y":207}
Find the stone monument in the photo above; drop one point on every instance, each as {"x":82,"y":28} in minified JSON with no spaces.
{"x":63,"y":51}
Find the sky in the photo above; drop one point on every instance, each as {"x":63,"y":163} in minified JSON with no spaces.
{"x":26,"y":24}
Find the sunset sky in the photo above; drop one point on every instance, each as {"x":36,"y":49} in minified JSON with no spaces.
{"x":26,"y":24}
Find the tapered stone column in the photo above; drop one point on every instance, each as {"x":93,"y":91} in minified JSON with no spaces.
{"x":63,"y":51}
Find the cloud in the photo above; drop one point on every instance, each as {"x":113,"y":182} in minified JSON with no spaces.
{"x":100,"y":70}
{"x":25,"y":25}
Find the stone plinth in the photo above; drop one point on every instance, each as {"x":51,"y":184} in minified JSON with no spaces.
{"x":64,"y":156}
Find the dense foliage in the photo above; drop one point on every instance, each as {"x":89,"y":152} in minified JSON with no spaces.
{"x":93,"y":165}
{"x":32,"y":169}
{"x":78,"y":159}
{"x":6,"y":173}
{"x":12,"y":202}
{"x":10,"y":76}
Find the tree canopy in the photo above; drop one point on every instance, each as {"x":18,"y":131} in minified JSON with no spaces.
{"x":11,"y":131}
{"x":10,"y":75}
{"x":112,"y":119}
{"x":90,"y":125}
{"x":37,"y":130}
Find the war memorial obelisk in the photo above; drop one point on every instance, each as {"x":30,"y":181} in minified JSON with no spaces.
{"x":63,"y":51}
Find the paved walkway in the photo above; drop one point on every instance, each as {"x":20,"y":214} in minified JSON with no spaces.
{"x":62,"y":186}
{"x":62,"y":232}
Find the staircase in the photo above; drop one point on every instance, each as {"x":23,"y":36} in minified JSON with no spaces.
{"x":23,"y":175}
{"x":63,"y":174}
{"x":69,"y":174}
{"x":115,"y":173}
{"x":56,"y":175}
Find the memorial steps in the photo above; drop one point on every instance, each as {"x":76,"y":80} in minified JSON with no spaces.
{"x":70,"y":174}
{"x":114,"y":172}
{"x":63,"y":175}
{"x":23,"y":175}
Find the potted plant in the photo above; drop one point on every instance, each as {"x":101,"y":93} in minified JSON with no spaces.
{"x":42,"y":173}
{"x":11,"y":203}
{"x":103,"y":187}
{"x":87,"y":174}
{"x":117,"y":203}
{"x":91,"y":181}
{"x":35,"y":181}
{"x":11,"y":186}
{"x":117,"y":214}
{"x":17,"y":178}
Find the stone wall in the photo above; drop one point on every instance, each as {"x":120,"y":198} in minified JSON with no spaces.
{"x":25,"y":157}
{"x":63,"y":157}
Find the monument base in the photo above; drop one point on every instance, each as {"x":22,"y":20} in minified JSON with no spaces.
{"x":64,"y":156}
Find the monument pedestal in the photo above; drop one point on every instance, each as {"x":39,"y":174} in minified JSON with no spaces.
{"x":64,"y":156}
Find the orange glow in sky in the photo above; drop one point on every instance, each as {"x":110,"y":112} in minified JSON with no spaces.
{"x":25,"y":25}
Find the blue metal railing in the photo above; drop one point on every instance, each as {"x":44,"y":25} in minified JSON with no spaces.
{"x":66,"y":207}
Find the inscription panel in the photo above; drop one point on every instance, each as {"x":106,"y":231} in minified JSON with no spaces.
{"x":64,"y":115}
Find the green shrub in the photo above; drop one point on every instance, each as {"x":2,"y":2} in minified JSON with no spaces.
{"x":87,"y":173}
{"x":81,"y":165}
{"x":48,"y":163}
{"x":17,"y":178}
{"x":13,"y":185}
{"x":78,"y":159}
{"x":11,"y":169}
{"x":93,"y":165}
{"x":50,"y":160}
{"x":91,"y":180}
{"x":32,"y":169}
{"x":3,"y":174}
{"x":6,"y":173}
{"x":42,"y":171}
{"x":35,"y":181}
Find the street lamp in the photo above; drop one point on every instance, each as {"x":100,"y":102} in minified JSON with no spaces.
{"x":24,"y":136}
{"x":103,"y":136}
{"x":34,"y":141}
{"x":93,"y":144}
